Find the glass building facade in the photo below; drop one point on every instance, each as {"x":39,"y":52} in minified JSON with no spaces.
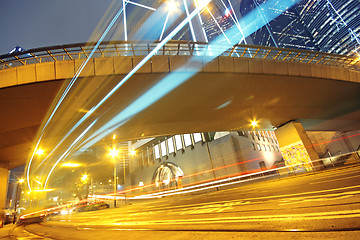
{"x":331,"y":26}
{"x":334,"y":24}
{"x":284,"y":31}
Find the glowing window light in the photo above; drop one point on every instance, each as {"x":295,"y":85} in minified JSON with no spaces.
{"x":187,"y":140}
{"x":227,"y":13}
{"x":258,"y":146}
{"x":157,"y":152}
{"x":171,"y":145}
{"x":163,"y":149}
{"x":197,"y":137}
{"x":178,"y":142}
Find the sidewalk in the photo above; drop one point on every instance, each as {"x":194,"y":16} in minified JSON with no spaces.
{"x":65,"y":230}
{"x":6,"y":231}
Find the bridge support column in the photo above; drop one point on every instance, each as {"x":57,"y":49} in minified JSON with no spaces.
{"x":296,"y":148}
{"x":4,"y":177}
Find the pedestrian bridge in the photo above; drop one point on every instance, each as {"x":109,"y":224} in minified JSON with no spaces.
{"x":244,"y":83}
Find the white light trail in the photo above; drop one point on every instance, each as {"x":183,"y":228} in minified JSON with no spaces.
{"x":125,"y":25}
{"x":140,"y":5}
{"x":237,"y":22}
{"x":127,"y":77}
{"x":190,"y":23}
{"x":67,"y":151}
{"x":217,"y":24}
{"x":71,"y":83}
{"x":149,"y":97}
{"x":166,"y":20}
{"x":201,"y":22}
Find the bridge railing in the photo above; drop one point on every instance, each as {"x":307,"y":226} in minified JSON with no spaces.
{"x":121,"y":48}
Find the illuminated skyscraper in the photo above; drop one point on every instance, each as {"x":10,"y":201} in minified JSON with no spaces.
{"x":331,"y":26}
{"x":334,"y":24}
{"x":285,"y":31}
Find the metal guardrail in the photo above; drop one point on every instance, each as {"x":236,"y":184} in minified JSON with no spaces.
{"x":121,"y":48}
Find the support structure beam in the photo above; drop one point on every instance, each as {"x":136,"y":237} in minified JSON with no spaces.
{"x":4,"y":178}
{"x":296,"y":148}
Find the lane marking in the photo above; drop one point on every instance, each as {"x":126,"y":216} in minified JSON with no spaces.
{"x":264,"y":218}
{"x":333,"y":180}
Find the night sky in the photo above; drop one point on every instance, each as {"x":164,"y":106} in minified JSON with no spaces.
{"x":40,"y":23}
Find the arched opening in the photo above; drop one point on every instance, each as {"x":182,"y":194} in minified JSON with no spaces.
{"x":168,"y":176}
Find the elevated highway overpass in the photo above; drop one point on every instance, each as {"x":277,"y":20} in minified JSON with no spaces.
{"x":246,"y":82}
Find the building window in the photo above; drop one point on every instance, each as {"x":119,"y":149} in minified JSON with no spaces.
{"x":268,"y":147}
{"x":140,"y":161}
{"x":151,"y":158}
{"x":157,"y":151}
{"x":242,"y":133}
{"x":143,"y":157}
{"x":178,"y":142}
{"x":262,"y":136}
{"x":171,"y":145}
{"x":197,"y":137}
{"x":253,"y":146}
{"x":187,"y":140}
{"x":258,"y":146}
{"x":163,"y":149}
{"x":252,"y":135}
{"x":264,"y":147}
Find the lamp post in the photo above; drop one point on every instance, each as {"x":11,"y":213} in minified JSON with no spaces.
{"x":18,"y":189}
{"x":124,"y":180}
{"x":132,"y":153}
{"x":113,"y":153}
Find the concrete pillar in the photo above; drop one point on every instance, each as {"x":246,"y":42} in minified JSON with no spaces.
{"x":296,"y":148}
{"x":4,"y":178}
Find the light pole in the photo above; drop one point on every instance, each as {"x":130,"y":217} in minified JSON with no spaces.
{"x":132,"y":153}
{"x":18,"y":189}
{"x":113,"y":153}
{"x":124,"y":180}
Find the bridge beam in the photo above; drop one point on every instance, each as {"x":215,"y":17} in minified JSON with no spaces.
{"x":296,"y":148}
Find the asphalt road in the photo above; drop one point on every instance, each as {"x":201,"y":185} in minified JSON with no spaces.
{"x":323,"y":205}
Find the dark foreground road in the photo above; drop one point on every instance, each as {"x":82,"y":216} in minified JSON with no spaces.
{"x":323,"y":205}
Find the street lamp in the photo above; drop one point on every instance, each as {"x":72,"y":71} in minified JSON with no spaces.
{"x":254,"y":123}
{"x":113,"y":153}
{"x":17,"y":193}
{"x":84,"y":178}
{"x":39,"y":152}
{"x":171,"y":5}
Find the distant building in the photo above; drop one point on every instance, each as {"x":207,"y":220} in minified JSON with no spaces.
{"x":219,"y":21}
{"x":201,"y":157}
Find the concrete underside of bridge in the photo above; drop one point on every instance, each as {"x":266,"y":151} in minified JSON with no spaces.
{"x":206,"y":102}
